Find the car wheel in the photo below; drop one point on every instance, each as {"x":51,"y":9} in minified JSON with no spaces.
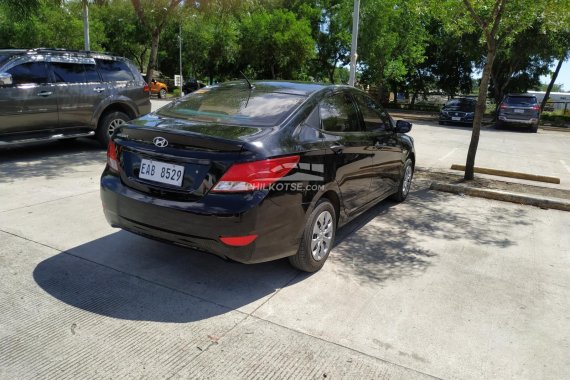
{"x":162,"y":93}
{"x":441,"y":122}
{"x":317,"y":240}
{"x":498,"y":125}
{"x":534,"y":128}
{"x":109,"y":123}
{"x":405,"y":182}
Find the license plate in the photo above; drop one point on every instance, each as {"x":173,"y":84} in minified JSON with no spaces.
{"x":161,"y":172}
{"x":455,"y":118}
{"x":519,"y":110}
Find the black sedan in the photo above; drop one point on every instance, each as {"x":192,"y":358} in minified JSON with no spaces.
{"x":458,"y":110}
{"x":256,"y":172}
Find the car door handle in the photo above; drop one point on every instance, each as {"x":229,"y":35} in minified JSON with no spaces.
{"x":337,"y":148}
{"x":99,"y":89}
{"x":45,"y":93}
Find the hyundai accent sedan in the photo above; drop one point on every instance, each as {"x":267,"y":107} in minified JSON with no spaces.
{"x":256,"y":172}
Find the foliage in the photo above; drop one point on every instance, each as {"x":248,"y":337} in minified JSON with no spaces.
{"x":275,"y":44}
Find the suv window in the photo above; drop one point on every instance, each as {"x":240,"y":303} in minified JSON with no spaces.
{"x":74,"y":73}
{"x":31,"y":72}
{"x":338,"y":114}
{"x":375,"y":118}
{"x":114,"y":71}
{"x":521,"y":100}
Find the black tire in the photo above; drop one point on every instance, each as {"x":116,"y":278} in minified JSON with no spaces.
{"x":307,"y":259}
{"x":107,"y":125}
{"x":162,"y":93}
{"x":498,"y":125}
{"x":534,"y":128}
{"x":405,"y":182}
{"x":441,"y":122}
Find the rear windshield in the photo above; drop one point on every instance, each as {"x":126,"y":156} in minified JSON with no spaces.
{"x":234,"y":105}
{"x":521,"y":100}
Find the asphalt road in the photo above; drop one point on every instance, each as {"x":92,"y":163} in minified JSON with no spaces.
{"x":441,"y":285}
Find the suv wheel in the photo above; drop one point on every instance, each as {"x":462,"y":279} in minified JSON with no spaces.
{"x":108,"y":124}
{"x":162,"y":93}
{"x":318,"y":238}
{"x":534,"y":128}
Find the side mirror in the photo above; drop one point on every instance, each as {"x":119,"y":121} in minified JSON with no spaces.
{"x":5,"y":79}
{"x":403,"y":126}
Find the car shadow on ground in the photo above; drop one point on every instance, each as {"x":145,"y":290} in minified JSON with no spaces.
{"x":392,"y":241}
{"x":125,"y":276}
{"x":49,"y":160}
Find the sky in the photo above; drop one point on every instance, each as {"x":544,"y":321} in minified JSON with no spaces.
{"x":563,"y":76}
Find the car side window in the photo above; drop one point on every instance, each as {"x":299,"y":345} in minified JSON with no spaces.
{"x":29,"y":73}
{"x":114,"y":71}
{"x":74,"y":73}
{"x":338,"y":114}
{"x":375,"y":118}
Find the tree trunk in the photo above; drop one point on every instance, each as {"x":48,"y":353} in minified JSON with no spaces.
{"x":331,"y":73}
{"x":153,"y":54}
{"x":551,"y":84}
{"x":480,"y":111}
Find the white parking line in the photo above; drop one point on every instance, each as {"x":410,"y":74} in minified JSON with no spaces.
{"x":448,"y":154}
{"x":566,"y":166}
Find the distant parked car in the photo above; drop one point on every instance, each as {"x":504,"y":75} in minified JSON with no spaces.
{"x":158,"y":88}
{"x":192,"y":85}
{"x":519,"y":109}
{"x":48,"y":94}
{"x":458,"y":110}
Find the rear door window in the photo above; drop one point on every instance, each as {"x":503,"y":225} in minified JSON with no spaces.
{"x":338,"y":114}
{"x":74,"y":73}
{"x":29,"y":73}
{"x":114,"y":71}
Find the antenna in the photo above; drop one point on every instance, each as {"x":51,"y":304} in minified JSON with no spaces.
{"x":247,"y":80}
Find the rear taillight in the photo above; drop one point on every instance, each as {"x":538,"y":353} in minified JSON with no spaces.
{"x":238,"y":241}
{"x":112,"y":157}
{"x":536,"y":107}
{"x":146,"y":88}
{"x":255,"y":175}
{"x":503,"y":106}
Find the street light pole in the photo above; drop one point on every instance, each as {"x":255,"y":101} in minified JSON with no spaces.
{"x":180,"y":57}
{"x":353,"y":55}
{"x":86,"y":25}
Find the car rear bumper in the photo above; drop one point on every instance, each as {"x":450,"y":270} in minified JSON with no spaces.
{"x":530,"y":121}
{"x":199,"y":225}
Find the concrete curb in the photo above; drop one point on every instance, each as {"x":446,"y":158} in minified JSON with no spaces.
{"x":509,"y":174}
{"x":504,"y":196}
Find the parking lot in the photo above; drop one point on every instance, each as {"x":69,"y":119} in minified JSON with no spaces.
{"x":439,"y":286}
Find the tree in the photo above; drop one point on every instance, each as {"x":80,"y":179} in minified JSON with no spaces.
{"x":153,"y":16}
{"x":391,"y":41}
{"x":275,"y":44}
{"x":498,"y":21}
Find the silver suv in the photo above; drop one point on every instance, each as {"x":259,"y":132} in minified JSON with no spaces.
{"x":519,"y":109}
{"x":48,"y":94}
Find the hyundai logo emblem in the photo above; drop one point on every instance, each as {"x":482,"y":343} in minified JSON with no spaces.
{"x":160,"y":142}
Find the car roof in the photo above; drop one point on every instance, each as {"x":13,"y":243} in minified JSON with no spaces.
{"x":523,"y":95}
{"x":58,"y":51}
{"x":286,"y":87}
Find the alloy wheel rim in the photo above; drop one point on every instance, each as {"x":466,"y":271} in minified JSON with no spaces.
{"x":114,"y":124}
{"x":406,"y":184}
{"x":321,"y":238}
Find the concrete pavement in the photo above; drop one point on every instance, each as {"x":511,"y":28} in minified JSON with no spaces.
{"x":441,"y":285}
